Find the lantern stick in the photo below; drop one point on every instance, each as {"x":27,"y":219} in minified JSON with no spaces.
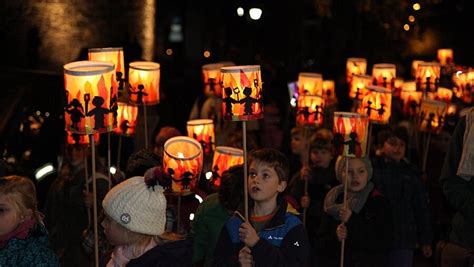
{"x":425,"y":155}
{"x":246,"y":194}
{"x":369,"y":139}
{"x":119,"y":151}
{"x":94,"y":202}
{"x":307,"y":161}
{"x":345,"y":206}
{"x":178,"y":221}
{"x":109,"y":160}
{"x":146,"y":126}
{"x":86,"y":175}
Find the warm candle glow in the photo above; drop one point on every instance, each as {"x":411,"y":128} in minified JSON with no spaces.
{"x":427,"y":76}
{"x":432,"y":116}
{"x":202,"y":131}
{"x":126,"y":119}
{"x":355,"y":66}
{"x":329,"y":92}
{"x":114,"y":55}
{"x":224,"y":158}
{"x":444,"y":94}
{"x":310,"y":110}
{"x":445,"y":56}
{"x":414,"y":66}
{"x":144,"y":79}
{"x":384,"y":75}
{"x":310,"y":83}
{"x":350,"y":134}
{"x":211,"y":78}
{"x":377,"y":104}
{"x":358,"y":85}
{"x":411,"y":101}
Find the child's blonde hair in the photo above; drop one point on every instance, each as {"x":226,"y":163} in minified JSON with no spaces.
{"x":22,"y":194}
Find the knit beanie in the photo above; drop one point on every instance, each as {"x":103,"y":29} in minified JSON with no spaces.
{"x":138,"y":205}
{"x":341,"y":166}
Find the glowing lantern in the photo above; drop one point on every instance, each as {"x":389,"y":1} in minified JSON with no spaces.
{"x":310,"y":110}
{"x":384,"y":75}
{"x":329,"y":91}
{"x":377,"y":104}
{"x":414,"y":66}
{"x":411,"y":101}
{"x":114,"y":55}
{"x":211,"y":76}
{"x":310,"y":83}
{"x":224,"y":158}
{"x":452,"y":110}
{"x":397,"y":87}
{"x":432,"y":116}
{"x":464,"y":82}
{"x":182,"y":163}
{"x":144,"y":79}
{"x":444,"y":94}
{"x":202,"y":131}
{"x":427,"y":76}
{"x":409,"y":86}
{"x":445,"y":56}
{"x":81,"y":139}
{"x":242,"y":93}
{"x":91,"y":97}
{"x":126,"y":119}
{"x":350,"y":133}
{"x":358,"y":85}
{"x":355,"y":66}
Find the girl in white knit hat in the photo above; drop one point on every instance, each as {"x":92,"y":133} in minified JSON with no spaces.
{"x":135,"y":217}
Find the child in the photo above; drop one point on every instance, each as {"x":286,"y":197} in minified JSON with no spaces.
{"x":23,"y":237}
{"x":298,"y":148}
{"x":273,"y":237}
{"x":365,"y":223}
{"x":135,"y":217}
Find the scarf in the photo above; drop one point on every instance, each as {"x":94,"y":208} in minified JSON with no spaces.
{"x":355,"y":201}
{"x":466,"y":164}
{"x":122,"y":255}
{"x":21,"y":232}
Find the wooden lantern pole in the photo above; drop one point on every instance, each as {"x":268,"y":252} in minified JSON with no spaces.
{"x":146,"y":126}
{"x":246,"y":194}
{"x":86,"y":182}
{"x":346,"y":179}
{"x":94,"y":202}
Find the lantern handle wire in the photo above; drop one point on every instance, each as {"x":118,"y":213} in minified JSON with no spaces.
{"x":345,"y":206}
{"x":94,"y":202}
{"x":246,"y":196}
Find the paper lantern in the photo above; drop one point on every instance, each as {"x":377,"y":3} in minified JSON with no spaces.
{"x":224,"y":158}
{"x":432,"y":116}
{"x":91,"y":96}
{"x":397,"y":87}
{"x":114,"y":55}
{"x":182,"y":163}
{"x":358,"y":85}
{"x":211,"y":77}
{"x":427,"y":76}
{"x":202,"y":130}
{"x":445,"y":56}
{"x":444,"y":94}
{"x":377,"y":104}
{"x":126,"y":119}
{"x":144,"y":80}
{"x":463,"y":82}
{"x":355,"y":66}
{"x":329,"y":91}
{"x":310,"y":83}
{"x":411,"y":101}
{"x":350,"y":133}
{"x":242,"y":93}
{"x":384,"y":75}
{"x":81,"y":139}
{"x":310,"y":110}
{"x":414,"y":66}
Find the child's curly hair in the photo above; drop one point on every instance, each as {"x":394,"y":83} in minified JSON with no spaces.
{"x":22,"y":194}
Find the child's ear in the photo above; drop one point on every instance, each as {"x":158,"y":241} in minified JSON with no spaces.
{"x":281,"y":186}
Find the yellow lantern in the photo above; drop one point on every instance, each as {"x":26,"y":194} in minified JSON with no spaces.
{"x":409,"y":86}
{"x":224,"y":158}
{"x":411,"y":101}
{"x":81,"y":139}
{"x":126,"y":119}
{"x":144,"y":79}
{"x":114,"y":55}
{"x":242,"y":93}
{"x":211,"y":77}
{"x":377,"y":104}
{"x":427,"y":76}
{"x":350,"y":133}
{"x":310,"y":110}
{"x":355,"y":66}
{"x":444,"y":94}
{"x":445,"y":56}
{"x":91,"y":97}
{"x":310,"y":83}
{"x":182,"y":163}
{"x":432,"y":116}
{"x":463,"y":83}
{"x":397,"y":87}
{"x":358,"y":85}
{"x":202,"y":130}
{"x":329,"y":92}
{"x":414,"y":66}
{"x":384,"y":75}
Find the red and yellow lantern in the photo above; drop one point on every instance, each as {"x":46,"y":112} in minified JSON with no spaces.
{"x":384,"y":75}
{"x":91,"y":96}
{"x":427,"y":76}
{"x":202,"y":130}
{"x":397,"y":87}
{"x":358,"y":85}
{"x":329,"y":91}
{"x":242,"y":93}
{"x":211,"y":77}
{"x":411,"y":100}
{"x":224,"y":158}
{"x":355,"y":66}
{"x":445,"y":56}
{"x":144,"y":80}
{"x":310,"y":83}
{"x":310,"y":110}
{"x":182,"y":163}
{"x":444,"y":94}
{"x":350,"y":133}
{"x":377,"y":104}
{"x":414,"y":66}
{"x":126,"y":119}
{"x":432,"y":116}
{"x":114,"y":55}
{"x":463,"y":83}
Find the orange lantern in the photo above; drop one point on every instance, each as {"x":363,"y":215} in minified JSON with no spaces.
{"x":409,"y":86}
{"x":444,"y":94}
{"x":377,"y":104}
{"x":397,"y":87}
{"x":358,"y":85}
{"x":411,"y":100}
{"x":126,"y":119}
{"x":91,"y":96}
{"x":463,"y":83}
{"x":350,"y":133}
{"x":81,"y":139}
{"x":224,"y":158}
{"x":329,"y":91}
{"x":144,"y":79}
{"x":211,"y":76}
{"x":445,"y":56}
{"x":310,"y":83}
{"x":242,"y":93}
{"x":114,"y":55}
{"x":355,"y":66}
{"x":427,"y":77}
{"x":452,"y":110}
{"x":432,"y":116}
{"x":203,"y":131}
{"x":384,"y":75}
{"x":414,"y":66}
{"x":182,"y":163}
{"x":310,"y":110}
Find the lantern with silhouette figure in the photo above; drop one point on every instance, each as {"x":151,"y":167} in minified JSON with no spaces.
{"x":114,"y":55}
{"x":414,"y":66}
{"x":432,"y":116}
{"x":384,"y":75}
{"x":224,"y":158}
{"x":377,"y":104}
{"x":81,"y":139}
{"x":463,"y":83}
{"x":411,"y":101}
{"x":350,"y":133}
{"x":310,"y":110}
{"x":202,"y":130}
{"x":126,"y":119}
{"x":310,"y":83}
{"x":91,"y":96}
{"x":444,"y":94}
{"x":242,"y":93}
{"x":445,"y":56}
{"x":358,"y":85}
{"x":211,"y":78}
{"x":355,"y":66}
{"x":182,"y":163}
{"x":144,"y":79}
{"x":329,"y":91}
{"x":427,"y":77}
